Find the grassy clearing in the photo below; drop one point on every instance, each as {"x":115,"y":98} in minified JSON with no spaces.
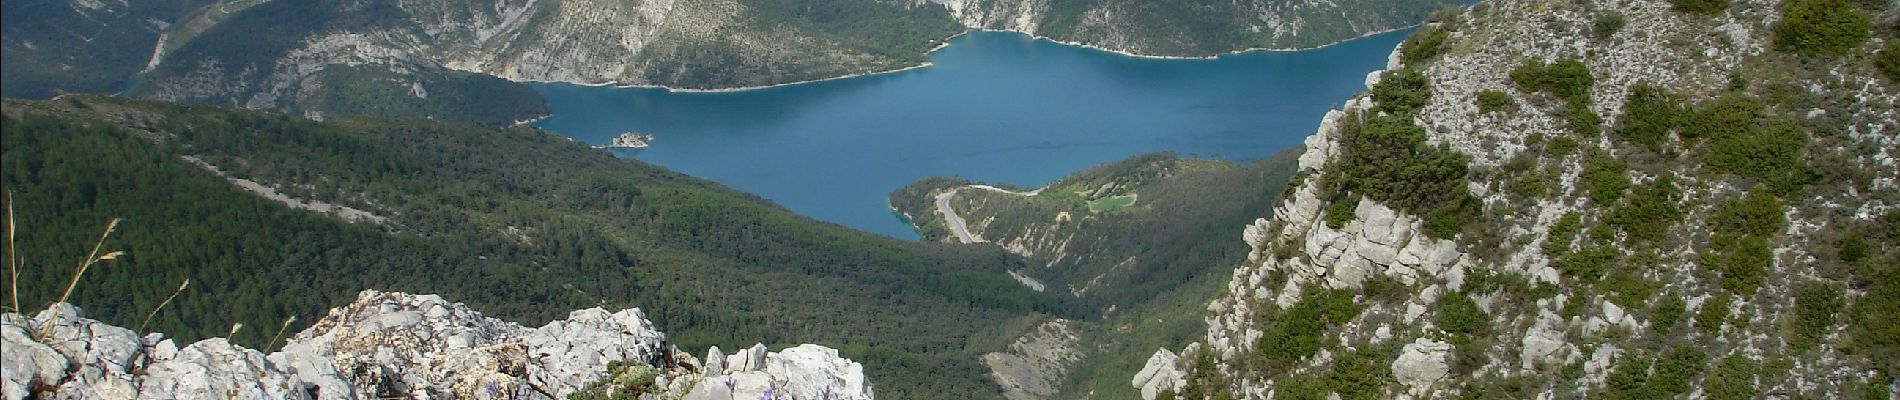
{"x":1112,"y":203}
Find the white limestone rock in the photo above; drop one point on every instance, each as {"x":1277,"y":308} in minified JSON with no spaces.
{"x":26,"y":363}
{"x":715,"y":362}
{"x":1599,"y":365}
{"x":1422,"y":365}
{"x":214,"y":368}
{"x":104,"y":355}
{"x":712,"y":388}
{"x":1543,"y":344}
{"x":394,"y":345}
{"x":571,"y":353}
{"x":1162,"y":372}
{"x":805,"y":372}
{"x":381,"y":344}
{"x":816,"y":372}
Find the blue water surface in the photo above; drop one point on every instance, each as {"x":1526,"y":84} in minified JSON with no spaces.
{"x":994,"y":107}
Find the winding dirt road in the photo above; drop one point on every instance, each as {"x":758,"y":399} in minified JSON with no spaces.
{"x":957,"y":226}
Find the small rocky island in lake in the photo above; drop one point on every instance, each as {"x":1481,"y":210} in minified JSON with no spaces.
{"x":629,"y":140}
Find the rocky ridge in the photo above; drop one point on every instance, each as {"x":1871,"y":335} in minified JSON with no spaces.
{"x":334,"y":58}
{"x":341,"y":53}
{"x":1034,"y":365}
{"x":1562,"y":333}
{"x":399,"y":345}
{"x":1200,"y":30}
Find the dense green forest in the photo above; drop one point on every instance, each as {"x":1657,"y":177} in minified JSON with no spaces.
{"x":883,"y":28}
{"x":517,"y":223}
{"x":1146,"y":241}
{"x":1201,"y":27}
{"x":53,"y":47}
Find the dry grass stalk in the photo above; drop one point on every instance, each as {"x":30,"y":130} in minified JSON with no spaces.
{"x":92,"y":258}
{"x":162,"y":304}
{"x":13,"y":256}
{"x":280,"y":333}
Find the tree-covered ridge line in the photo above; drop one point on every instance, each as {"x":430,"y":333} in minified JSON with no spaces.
{"x":1146,"y":242}
{"x":518,"y":221}
{"x":1153,"y":208}
{"x":1195,"y":28}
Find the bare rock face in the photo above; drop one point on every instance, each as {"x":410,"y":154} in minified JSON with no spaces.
{"x":103,"y":356}
{"x":26,"y":363}
{"x":803,"y":372}
{"x":215,"y":368}
{"x":1422,"y":365}
{"x":1161,"y":373}
{"x":1694,"y":56}
{"x":393,"y":345}
{"x":1034,"y":365}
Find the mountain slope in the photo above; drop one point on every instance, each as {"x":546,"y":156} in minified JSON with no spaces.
{"x":438,"y":58}
{"x":518,"y":222}
{"x":1552,"y":199}
{"x":1193,"y":28}
{"x":1145,"y":242}
{"x":59,"y":46}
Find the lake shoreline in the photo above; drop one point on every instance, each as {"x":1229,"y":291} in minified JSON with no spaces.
{"x":997,"y":107}
{"x":1211,"y":57}
{"x":946,"y":43}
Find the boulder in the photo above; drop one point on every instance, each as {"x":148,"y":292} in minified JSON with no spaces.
{"x":1160,"y":373}
{"x":102,"y":356}
{"x":1543,"y":343}
{"x":385,"y":344}
{"x":214,"y":368}
{"x":574,"y":352}
{"x":1422,"y":365}
{"x":712,"y":388}
{"x":715,"y":362}
{"x":26,"y":364}
{"x":804,"y":372}
{"x":817,"y":372}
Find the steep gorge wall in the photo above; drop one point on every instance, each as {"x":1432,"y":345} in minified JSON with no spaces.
{"x":1554,"y":329}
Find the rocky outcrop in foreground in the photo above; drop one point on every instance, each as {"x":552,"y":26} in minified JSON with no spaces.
{"x":399,"y":345}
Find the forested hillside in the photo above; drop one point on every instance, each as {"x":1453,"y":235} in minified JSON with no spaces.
{"x":60,"y":46}
{"x":517,"y":221}
{"x":1188,"y":28}
{"x":1146,"y":242}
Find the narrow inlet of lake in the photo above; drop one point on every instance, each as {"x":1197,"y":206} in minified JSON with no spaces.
{"x":994,"y":107}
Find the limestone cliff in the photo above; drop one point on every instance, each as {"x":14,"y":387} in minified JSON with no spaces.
{"x":386,"y":345}
{"x":430,"y":57}
{"x":1192,"y":29}
{"x":437,"y":58}
{"x":1626,"y":246}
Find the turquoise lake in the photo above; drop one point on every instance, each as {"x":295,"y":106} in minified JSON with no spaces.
{"x":994,"y":107}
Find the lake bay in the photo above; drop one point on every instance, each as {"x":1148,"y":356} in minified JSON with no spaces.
{"x":993,"y":107}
